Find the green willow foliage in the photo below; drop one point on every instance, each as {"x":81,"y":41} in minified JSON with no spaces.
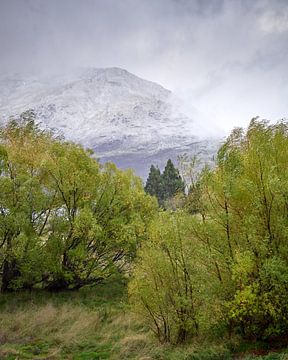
{"x":65,"y":220}
{"x":250,"y":192}
{"x":234,"y":251}
{"x":165,"y":289}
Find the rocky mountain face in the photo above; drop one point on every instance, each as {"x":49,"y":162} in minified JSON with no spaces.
{"x":123,"y":118}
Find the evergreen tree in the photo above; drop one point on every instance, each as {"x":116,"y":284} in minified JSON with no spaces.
{"x":172,"y":181}
{"x":154,"y":184}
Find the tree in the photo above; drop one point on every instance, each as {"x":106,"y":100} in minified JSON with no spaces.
{"x":245,"y":199}
{"x":103,"y":219}
{"x":172,"y":181}
{"x":25,"y":207}
{"x":154,"y":184}
{"x":165,"y":186}
{"x":166,"y":288}
{"x":236,"y":249}
{"x":65,"y":220}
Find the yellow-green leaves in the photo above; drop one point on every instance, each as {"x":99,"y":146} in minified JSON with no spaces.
{"x":167,"y":283}
{"x":59,"y":208}
{"x":239,"y":235}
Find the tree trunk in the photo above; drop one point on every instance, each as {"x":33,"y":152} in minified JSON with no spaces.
{"x":10,"y":273}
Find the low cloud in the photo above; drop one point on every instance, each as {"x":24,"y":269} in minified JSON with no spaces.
{"x":228,"y":59}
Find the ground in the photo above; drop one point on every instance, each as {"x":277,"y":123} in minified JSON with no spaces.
{"x":97,"y":323}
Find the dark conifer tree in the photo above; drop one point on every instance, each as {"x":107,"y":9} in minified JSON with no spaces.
{"x":172,"y":181}
{"x":154,"y":183}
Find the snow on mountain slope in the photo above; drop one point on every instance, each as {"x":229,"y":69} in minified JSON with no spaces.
{"x":121,"y":116}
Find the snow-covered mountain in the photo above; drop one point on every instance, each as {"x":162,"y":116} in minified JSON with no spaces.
{"x":124,"y":118}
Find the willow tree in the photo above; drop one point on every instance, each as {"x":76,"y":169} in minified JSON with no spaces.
{"x":65,"y":220}
{"x":240,"y":240}
{"x":167,"y":286}
{"x":103,"y":217}
{"x":246,"y":205}
{"x":24,"y":206}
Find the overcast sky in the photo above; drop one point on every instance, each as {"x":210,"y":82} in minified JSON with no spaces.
{"x":228,"y":59}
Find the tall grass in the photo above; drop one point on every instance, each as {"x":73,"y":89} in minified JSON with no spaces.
{"x":93,"y":323}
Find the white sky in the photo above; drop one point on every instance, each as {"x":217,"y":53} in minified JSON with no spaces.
{"x":227,"y":59}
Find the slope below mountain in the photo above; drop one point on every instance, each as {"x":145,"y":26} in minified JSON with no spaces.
{"x":124,"y":118}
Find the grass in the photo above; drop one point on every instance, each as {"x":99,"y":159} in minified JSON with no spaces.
{"x":93,"y":323}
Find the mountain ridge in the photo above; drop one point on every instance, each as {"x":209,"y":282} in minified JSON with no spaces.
{"x":117,"y":114}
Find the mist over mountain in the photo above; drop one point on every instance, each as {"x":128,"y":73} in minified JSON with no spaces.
{"x":123,"y":118}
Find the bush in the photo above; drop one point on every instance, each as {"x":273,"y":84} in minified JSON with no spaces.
{"x":168,"y":283}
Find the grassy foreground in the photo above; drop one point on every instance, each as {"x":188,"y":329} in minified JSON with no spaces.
{"x":96,"y":323}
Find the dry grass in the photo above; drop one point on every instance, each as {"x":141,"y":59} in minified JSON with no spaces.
{"x":133,"y":339}
{"x":135,"y":344}
{"x":62,"y":330}
{"x":63,"y":324}
{"x":82,"y":326}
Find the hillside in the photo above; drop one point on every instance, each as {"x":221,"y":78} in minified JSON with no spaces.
{"x":123,"y":118}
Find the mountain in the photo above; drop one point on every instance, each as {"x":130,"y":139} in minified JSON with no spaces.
{"x":123,"y":118}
